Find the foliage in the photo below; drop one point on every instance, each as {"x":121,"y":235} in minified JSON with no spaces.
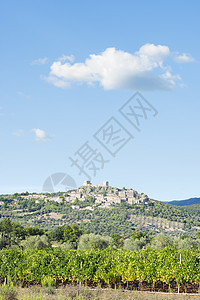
{"x":88,"y":201}
{"x":68,"y":246}
{"x":72,"y":233}
{"x":57,"y":234}
{"x":119,"y":219}
{"x":198,"y":234}
{"x":135,"y":244}
{"x":148,"y":264}
{"x":186,"y":243}
{"x":13,"y":233}
{"x":117,"y":240}
{"x":36,"y":242}
{"x":92,"y":241}
{"x":48,"y":281}
{"x":137,"y":235}
{"x":161,"y":241}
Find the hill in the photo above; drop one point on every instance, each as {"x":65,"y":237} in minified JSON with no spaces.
{"x":190,"y":201}
{"x":101,"y":209}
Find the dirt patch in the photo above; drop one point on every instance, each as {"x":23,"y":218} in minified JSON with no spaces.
{"x":53,"y":215}
{"x":70,"y":292}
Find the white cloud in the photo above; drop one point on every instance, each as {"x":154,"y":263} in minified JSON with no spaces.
{"x":41,"y":135}
{"x":18,"y":133}
{"x":65,"y":58}
{"x":183,"y":58}
{"x":56,"y":81}
{"x":39,"y":61}
{"x":117,"y":69}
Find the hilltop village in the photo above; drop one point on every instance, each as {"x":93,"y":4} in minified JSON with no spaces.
{"x":106,"y":194}
{"x":103,"y":195}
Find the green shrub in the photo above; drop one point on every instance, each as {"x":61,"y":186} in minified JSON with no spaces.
{"x":36,"y":242}
{"x":48,"y":281}
{"x":136,"y":244}
{"x":93,"y":241}
{"x":68,"y":245}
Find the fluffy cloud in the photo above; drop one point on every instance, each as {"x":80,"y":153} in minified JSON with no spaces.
{"x":39,"y":61}
{"x":183,"y":58}
{"x":41,"y":135}
{"x":117,"y":69}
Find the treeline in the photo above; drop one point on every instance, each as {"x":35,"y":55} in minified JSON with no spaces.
{"x":11,"y":234}
{"x":102,"y":221}
{"x":70,"y":237}
{"x":14,"y":235}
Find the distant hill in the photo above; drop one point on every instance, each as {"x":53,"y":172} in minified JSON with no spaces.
{"x":190,"y":201}
{"x":98,"y":209}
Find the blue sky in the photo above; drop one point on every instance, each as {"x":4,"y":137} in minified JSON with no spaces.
{"x":68,"y":66}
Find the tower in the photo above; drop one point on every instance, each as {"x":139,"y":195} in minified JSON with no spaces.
{"x":86,"y":182}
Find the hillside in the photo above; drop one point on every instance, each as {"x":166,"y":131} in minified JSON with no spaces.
{"x":102,"y":210}
{"x":190,"y":201}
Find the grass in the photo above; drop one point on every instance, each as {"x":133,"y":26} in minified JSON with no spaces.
{"x":83,"y":293}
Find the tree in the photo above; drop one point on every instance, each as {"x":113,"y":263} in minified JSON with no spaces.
{"x":92,"y":241}
{"x":136,"y":244}
{"x":117,"y":240}
{"x":11,"y":232}
{"x":33,"y":231}
{"x":184,"y":236}
{"x":72,"y":233}
{"x":198,"y":234}
{"x":186,"y":243}
{"x":57,"y":234}
{"x":161,"y":241}
{"x":36,"y":242}
{"x":136,"y":234}
{"x":6,"y":225}
{"x":2,"y":241}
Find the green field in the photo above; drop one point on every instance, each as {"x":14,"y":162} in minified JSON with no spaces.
{"x":148,"y":269}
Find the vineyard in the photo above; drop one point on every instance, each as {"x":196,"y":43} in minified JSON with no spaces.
{"x":148,"y":269}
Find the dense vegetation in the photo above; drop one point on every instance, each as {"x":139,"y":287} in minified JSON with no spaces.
{"x":122,"y":219}
{"x":68,"y":254}
{"x":14,"y":235}
{"x":107,"y":266}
